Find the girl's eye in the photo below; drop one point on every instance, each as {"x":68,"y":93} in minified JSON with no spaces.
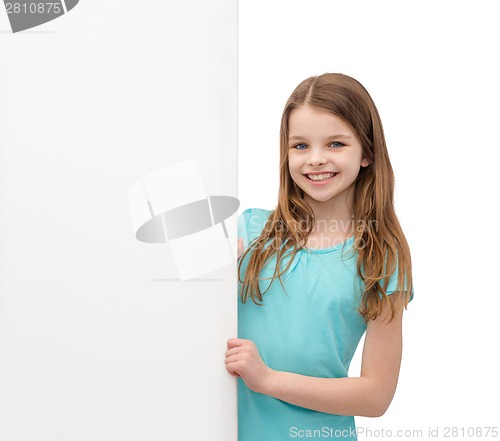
{"x":336,"y":144}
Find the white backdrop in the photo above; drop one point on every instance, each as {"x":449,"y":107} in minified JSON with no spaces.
{"x":99,"y":340}
{"x":431,"y":68}
{"x":93,"y":99}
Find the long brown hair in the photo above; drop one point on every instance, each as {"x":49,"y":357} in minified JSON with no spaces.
{"x":379,"y":249}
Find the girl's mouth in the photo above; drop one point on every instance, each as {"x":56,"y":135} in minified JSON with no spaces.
{"x":321,"y":179}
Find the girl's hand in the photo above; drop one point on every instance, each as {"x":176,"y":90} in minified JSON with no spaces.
{"x":240,"y":246}
{"x":243,"y":360}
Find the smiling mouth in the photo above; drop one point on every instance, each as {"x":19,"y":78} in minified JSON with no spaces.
{"x":321,"y":177}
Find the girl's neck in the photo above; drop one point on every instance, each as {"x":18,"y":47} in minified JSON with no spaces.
{"x":332,"y":217}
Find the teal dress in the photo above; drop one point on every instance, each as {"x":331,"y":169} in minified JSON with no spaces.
{"x":313,"y":329}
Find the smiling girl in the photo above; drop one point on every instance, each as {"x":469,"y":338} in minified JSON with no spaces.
{"x":336,"y":246}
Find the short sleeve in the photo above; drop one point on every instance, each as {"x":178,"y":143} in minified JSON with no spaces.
{"x":393,"y":280}
{"x":251,"y":223}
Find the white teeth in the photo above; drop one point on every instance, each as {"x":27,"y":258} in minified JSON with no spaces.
{"x":321,"y":177}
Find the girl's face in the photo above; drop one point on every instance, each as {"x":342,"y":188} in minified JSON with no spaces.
{"x":319,"y":141}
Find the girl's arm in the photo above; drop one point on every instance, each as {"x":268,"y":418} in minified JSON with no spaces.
{"x":367,"y":395}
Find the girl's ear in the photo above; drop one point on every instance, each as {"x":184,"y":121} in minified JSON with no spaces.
{"x":365,"y":162}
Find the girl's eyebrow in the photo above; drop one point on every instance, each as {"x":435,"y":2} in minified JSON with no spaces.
{"x":339,"y":135}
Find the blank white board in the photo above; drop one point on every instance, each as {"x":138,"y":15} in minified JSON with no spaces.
{"x":104,"y":336}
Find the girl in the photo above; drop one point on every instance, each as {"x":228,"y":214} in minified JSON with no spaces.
{"x":344,"y":267}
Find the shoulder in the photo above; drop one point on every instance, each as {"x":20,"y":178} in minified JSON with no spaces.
{"x":260,"y":213}
{"x":251,"y":222}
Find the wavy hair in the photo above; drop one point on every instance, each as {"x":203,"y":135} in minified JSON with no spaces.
{"x":380,"y":249}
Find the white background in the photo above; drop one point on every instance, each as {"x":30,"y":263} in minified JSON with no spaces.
{"x":432,"y":70}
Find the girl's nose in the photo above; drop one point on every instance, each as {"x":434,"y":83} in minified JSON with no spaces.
{"x":316,"y":158}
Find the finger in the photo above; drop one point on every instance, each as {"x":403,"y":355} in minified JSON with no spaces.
{"x":231,"y":359}
{"x":234,"y":342}
{"x":230,"y":352}
{"x":231,"y":368}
